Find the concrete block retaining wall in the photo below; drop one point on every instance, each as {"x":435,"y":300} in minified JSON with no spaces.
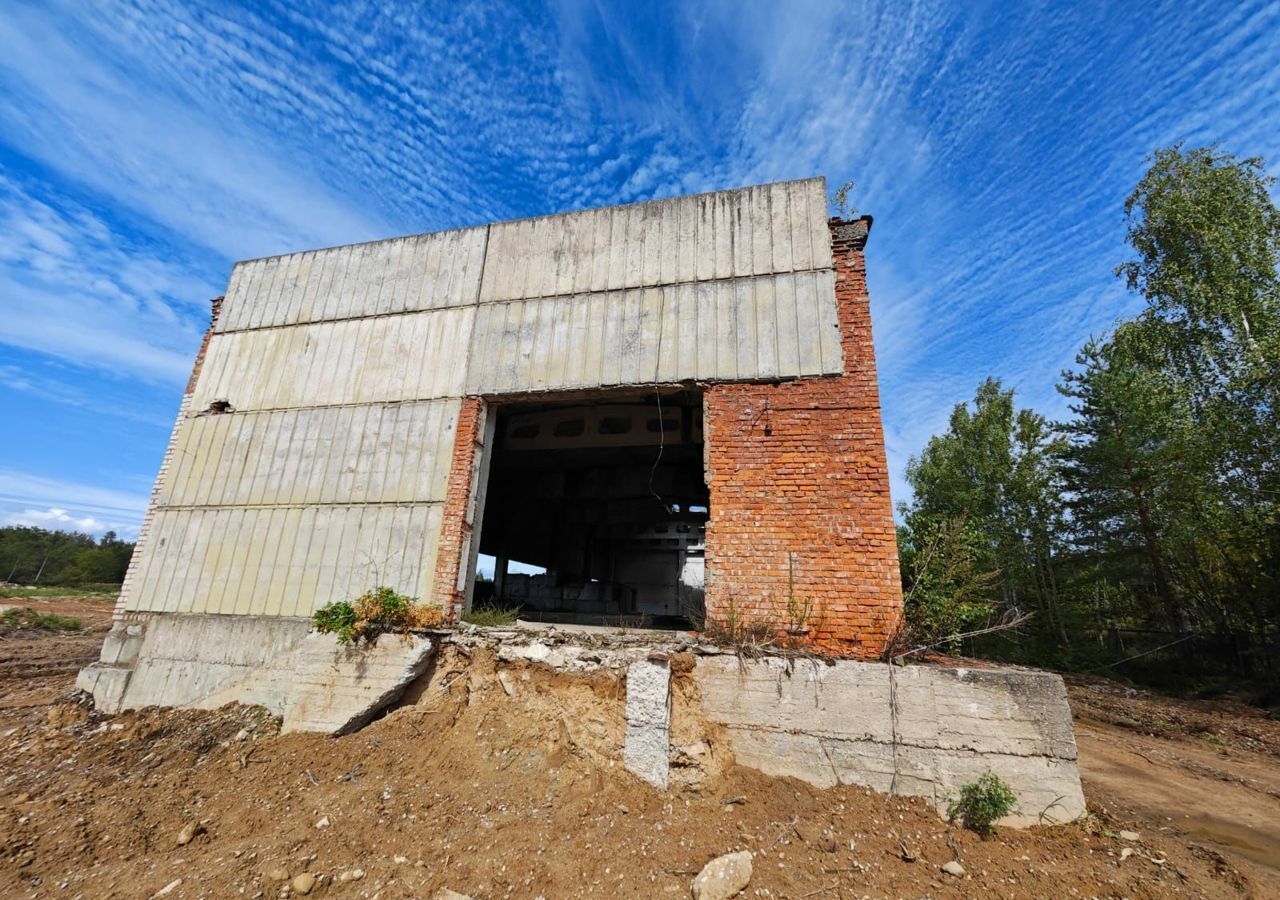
{"x":918,"y":731}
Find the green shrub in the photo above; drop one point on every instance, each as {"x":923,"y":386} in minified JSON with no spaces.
{"x":373,"y":613}
{"x":982,"y":803}
{"x":488,"y":616}
{"x":337,"y":618}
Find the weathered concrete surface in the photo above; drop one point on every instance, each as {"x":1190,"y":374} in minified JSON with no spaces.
{"x":920,"y":731}
{"x":647,"y":751}
{"x":340,"y":689}
{"x":308,"y":679}
{"x":179,"y":660}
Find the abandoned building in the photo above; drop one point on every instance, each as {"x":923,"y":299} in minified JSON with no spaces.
{"x":668,"y":411}
{"x":663,"y":414}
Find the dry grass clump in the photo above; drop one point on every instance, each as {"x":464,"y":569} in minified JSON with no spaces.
{"x":376,"y":612}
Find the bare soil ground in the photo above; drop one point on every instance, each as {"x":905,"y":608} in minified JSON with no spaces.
{"x":518,"y":792}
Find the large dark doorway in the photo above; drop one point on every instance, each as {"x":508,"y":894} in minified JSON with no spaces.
{"x":608,"y":497}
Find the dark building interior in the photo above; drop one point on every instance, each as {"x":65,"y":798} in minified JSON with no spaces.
{"x":609,"y":497}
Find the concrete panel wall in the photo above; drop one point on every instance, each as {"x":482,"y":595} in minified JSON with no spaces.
{"x":763,"y":230}
{"x":425,"y":271}
{"x":375,"y":453}
{"x":745,"y":329}
{"x":415,"y":356}
{"x":284,"y":560}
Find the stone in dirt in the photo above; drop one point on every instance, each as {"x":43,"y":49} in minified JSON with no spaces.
{"x":303,"y":883}
{"x":188,"y":833}
{"x":1129,"y":836}
{"x":723,"y":877}
{"x":446,"y":894}
{"x":168,"y":888}
{"x":279,"y":873}
{"x":646,"y":751}
{"x":953,"y":868}
{"x":351,"y":875}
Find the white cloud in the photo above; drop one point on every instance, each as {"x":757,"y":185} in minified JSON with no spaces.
{"x":55,"y":519}
{"x":32,"y":499}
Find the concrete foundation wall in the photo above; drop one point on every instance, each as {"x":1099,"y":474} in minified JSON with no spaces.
{"x":916,"y":731}
{"x":308,"y":679}
{"x":919,"y":731}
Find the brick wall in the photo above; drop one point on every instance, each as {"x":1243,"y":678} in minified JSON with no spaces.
{"x":452,"y":551}
{"x":799,"y":484}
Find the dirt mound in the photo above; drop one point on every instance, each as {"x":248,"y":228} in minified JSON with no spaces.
{"x":496,"y":782}
{"x":38,"y":663}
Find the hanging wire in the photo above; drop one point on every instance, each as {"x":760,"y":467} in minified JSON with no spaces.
{"x":662,"y":443}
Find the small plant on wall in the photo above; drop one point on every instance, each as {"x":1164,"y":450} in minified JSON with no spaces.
{"x":982,"y":803}
{"x":376,"y":612}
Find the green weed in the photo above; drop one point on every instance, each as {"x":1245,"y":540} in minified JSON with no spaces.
{"x":982,"y":803}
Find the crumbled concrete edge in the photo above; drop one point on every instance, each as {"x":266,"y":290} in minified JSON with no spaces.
{"x":339,"y":689}
{"x":646,"y":752}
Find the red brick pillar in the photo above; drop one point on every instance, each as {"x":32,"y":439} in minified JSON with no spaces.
{"x":453,"y":549}
{"x":801,"y":536}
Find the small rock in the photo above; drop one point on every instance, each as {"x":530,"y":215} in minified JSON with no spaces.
{"x":723,"y":877}
{"x":505,"y":680}
{"x":188,"y":833}
{"x":399,"y":860}
{"x":303,"y":883}
{"x":168,"y":888}
{"x":242,"y":734}
{"x":953,"y":868}
{"x":1129,"y":836}
{"x":446,"y":894}
{"x":351,"y":875}
{"x":323,"y":822}
{"x":279,"y":873}
{"x":1126,"y":853}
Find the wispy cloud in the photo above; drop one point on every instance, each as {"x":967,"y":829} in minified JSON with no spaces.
{"x":144,"y":144}
{"x":30,"y":499}
{"x":55,"y":519}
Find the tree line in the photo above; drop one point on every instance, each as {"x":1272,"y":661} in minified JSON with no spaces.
{"x":34,"y":556}
{"x":1140,"y":535}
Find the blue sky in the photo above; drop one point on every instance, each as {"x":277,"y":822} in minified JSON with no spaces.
{"x":144,"y":146}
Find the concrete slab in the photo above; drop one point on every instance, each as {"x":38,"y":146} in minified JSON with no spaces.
{"x":919,"y":731}
{"x":647,"y":751}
